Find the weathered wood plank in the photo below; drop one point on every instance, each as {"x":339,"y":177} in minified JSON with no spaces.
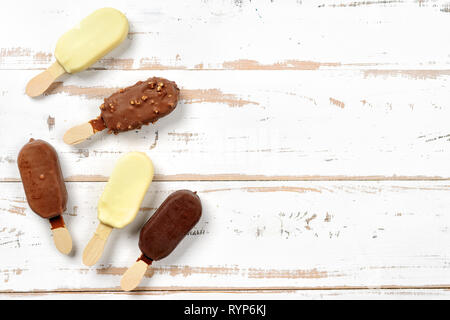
{"x":373,"y":294}
{"x":289,"y":235}
{"x":246,"y":123}
{"x":243,"y":35}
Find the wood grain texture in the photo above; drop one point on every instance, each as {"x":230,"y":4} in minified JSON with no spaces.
{"x":320,"y":138}
{"x":255,"y":126}
{"x":300,"y":235}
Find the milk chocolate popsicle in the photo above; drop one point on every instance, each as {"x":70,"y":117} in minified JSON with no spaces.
{"x":129,"y":109}
{"x":160,"y":235}
{"x":44,"y":187}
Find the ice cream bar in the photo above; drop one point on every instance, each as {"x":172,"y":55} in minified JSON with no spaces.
{"x":82,"y":46}
{"x":44,"y":187}
{"x":120,"y":201}
{"x":160,"y":235}
{"x":129,"y":108}
{"x":176,"y":216}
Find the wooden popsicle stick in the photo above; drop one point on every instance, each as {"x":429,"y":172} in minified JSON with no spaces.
{"x":132,"y":277}
{"x":42,"y":81}
{"x":61,"y":236}
{"x":62,"y":239}
{"x":94,"y":248}
{"x":78,"y":133}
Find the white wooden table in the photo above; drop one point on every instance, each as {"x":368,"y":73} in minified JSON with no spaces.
{"x":317,"y":134}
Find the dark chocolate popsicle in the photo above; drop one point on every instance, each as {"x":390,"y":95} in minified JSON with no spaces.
{"x":44,"y":187}
{"x":129,"y":108}
{"x":176,"y":216}
{"x":160,"y":235}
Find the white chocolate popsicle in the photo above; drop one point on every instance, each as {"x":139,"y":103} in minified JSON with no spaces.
{"x":120,"y":201}
{"x":82,"y":46}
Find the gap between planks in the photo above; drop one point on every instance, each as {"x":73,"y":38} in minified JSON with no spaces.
{"x":145,"y":64}
{"x":413,"y":73}
{"x":244,"y":177}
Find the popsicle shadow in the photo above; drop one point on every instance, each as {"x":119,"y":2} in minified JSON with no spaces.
{"x":172,"y":120}
{"x":147,"y":132}
{"x":72,"y":229}
{"x":72,"y":253}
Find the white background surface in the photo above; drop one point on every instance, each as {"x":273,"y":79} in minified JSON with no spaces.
{"x":315,"y":132}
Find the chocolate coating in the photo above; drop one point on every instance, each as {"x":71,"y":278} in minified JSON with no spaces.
{"x":42,"y":178}
{"x":176,"y":216}
{"x":142,"y":103}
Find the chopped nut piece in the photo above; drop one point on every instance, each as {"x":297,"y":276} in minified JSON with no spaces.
{"x":41,"y":177}
{"x":131,"y":102}
{"x":129,"y":127}
{"x":161,"y":84}
{"x":156,"y":111}
{"x":144,"y":98}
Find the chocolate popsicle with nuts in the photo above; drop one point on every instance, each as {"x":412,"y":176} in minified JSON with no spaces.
{"x":44,"y":187}
{"x":160,"y":235}
{"x":130,"y":108}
